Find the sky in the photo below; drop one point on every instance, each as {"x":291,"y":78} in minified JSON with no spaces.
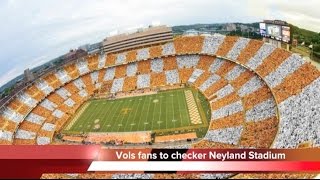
{"x":33,"y":32}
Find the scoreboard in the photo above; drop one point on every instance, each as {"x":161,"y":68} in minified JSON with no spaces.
{"x":278,"y":30}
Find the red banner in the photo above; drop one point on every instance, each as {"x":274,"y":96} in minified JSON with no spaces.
{"x":33,"y":161}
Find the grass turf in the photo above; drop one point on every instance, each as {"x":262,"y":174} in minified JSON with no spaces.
{"x":164,"y":111}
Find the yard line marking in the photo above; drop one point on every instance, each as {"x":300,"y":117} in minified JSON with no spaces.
{"x":141,"y":112}
{"x":179,"y":112}
{"x":129,"y":116}
{"x":105,"y":119}
{"x":148,"y":112}
{"x":121,"y":115}
{"x":166,"y":112}
{"x":160,"y":113}
{"x":135,"y":113}
{"x":104,"y":114}
{"x":82,"y":121}
{"x":114,"y":121}
{"x":172,"y":109}
{"x":99,"y":111}
{"x":154,"y":106}
{"x":88,"y":118}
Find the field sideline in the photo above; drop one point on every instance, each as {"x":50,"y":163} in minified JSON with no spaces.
{"x":164,"y":111}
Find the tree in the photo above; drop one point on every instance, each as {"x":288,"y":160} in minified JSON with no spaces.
{"x":316,"y":48}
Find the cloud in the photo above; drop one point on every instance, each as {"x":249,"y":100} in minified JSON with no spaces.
{"x":12,"y":73}
{"x":297,"y":12}
{"x":38,"y":61}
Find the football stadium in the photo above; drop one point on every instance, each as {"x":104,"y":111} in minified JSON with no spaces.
{"x":154,"y":89}
{"x":247,"y":93}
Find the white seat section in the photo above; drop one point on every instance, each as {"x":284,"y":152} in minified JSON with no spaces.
{"x":6,"y":135}
{"x":109,"y":75}
{"x":34,"y":118}
{"x":132,"y":69}
{"x":69,"y":102}
{"x":48,"y":127}
{"x":117,"y":85}
{"x":217,"y":63}
{"x":83,"y":93}
{"x":227,"y":135}
{"x":262,"y":53}
{"x":98,"y":85}
{"x":287,"y":67}
{"x":211,"y":43}
{"x":57,"y":113}
{"x":43,"y":86}
{"x":43,"y":140}
{"x":79,"y":84}
{"x":82,"y":66}
{"x":237,"y":48}
{"x":94,"y":77}
{"x":215,"y":175}
{"x":251,"y":86}
{"x":235,"y":73}
{"x":102,"y":60}
{"x":195,"y":75}
{"x":157,"y":65}
{"x":168,"y":49}
{"x":143,"y":54}
{"x":223,"y":92}
{"x":65,"y":94}
{"x":211,"y":80}
{"x":26,"y":99}
{"x":121,"y":58}
{"x":48,"y":105}
{"x":172,"y":76}
{"x":227,"y":110}
{"x":187,"y":61}
{"x":23,"y":134}
{"x":143,"y":81}
{"x":11,"y":115}
{"x":63,"y":76}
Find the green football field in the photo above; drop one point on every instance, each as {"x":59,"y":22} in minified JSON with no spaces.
{"x":164,"y":111}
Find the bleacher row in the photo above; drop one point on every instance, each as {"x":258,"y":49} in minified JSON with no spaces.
{"x":247,"y":91}
{"x":52,"y":113}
